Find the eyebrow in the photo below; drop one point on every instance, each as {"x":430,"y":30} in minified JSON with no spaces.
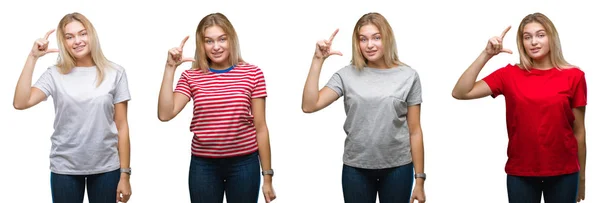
{"x":205,"y":37}
{"x":76,"y":32}
{"x":540,"y":30}
{"x":361,"y":35}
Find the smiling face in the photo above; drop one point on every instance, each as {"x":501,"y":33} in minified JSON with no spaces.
{"x":216,"y":46}
{"x":535,"y":41}
{"x":371,"y":45}
{"x":76,"y":40}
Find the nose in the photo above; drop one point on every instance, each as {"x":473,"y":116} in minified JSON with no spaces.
{"x":370,"y":44}
{"x":77,"y":40}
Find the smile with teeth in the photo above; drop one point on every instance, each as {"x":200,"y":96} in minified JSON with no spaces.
{"x":217,"y":55}
{"x":79,"y":48}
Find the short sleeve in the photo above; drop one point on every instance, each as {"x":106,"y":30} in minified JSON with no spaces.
{"x":414,"y":94}
{"x":579,"y":97}
{"x":336,"y":84}
{"x":260,"y":87}
{"x":46,"y":83}
{"x":122,"y":89}
{"x":495,"y":81}
{"x":183,"y":85}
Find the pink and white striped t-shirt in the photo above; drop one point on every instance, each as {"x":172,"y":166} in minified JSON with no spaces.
{"x":222,"y":123}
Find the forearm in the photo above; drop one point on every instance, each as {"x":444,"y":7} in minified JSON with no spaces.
{"x":467,"y":80}
{"x":264,"y":151}
{"x":165,"y":97}
{"x":23,"y":88}
{"x":418,"y":154}
{"x":581,"y":153}
{"x":310,"y":96}
{"x":124,"y":148}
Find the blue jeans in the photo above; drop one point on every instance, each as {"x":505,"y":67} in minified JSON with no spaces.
{"x":102,"y":188}
{"x":556,"y":189}
{"x":362,"y":185}
{"x":237,"y":177}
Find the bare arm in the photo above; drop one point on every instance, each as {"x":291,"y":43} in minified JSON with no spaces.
{"x":466,"y":87}
{"x":312,"y":99}
{"x":27,"y":96}
{"x":170,"y":103}
{"x":123,"y":146}
{"x":416,"y":140}
{"x":264,"y":145}
{"x":579,"y":131}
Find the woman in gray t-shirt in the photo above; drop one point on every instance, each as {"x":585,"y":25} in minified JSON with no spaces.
{"x":90,"y":142}
{"x":382,"y":98}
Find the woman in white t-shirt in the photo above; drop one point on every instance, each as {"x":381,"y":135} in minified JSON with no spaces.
{"x":90,"y":142}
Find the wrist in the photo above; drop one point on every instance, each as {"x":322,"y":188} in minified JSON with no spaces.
{"x":485,"y":55}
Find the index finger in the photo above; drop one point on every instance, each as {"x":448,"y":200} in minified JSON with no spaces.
{"x":183,"y":41}
{"x":48,"y":34}
{"x":333,"y":35}
{"x":504,"y":32}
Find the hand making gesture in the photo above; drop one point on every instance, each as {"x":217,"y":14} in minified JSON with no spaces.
{"x":494,"y":45}
{"x":323,"y":49}
{"x":175,"y":57}
{"x":40,"y":47}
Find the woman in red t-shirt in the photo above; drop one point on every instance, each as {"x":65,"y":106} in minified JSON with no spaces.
{"x":545,"y":107}
{"x":231,"y":138}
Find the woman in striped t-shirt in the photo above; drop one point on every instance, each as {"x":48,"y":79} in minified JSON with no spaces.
{"x":230,"y":131}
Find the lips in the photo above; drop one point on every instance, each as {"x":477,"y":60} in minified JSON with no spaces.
{"x":79,"y":48}
{"x":371,"y":53}
{"x":535,"y":50}
{"x":217,"y":55}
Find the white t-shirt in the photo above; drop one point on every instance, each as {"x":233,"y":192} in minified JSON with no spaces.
{"x":85,"y":134}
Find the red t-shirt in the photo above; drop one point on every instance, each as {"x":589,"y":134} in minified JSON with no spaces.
{"x":539,"y":118}
{"x":222,"y":122}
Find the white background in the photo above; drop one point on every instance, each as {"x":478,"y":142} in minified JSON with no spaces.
{"x":465,"y":141}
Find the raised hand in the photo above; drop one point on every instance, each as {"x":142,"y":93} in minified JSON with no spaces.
{"x":40,"y":47}
{"x":323,"y":49}
{"x":494,"y":45}
{"x":175,"y":57}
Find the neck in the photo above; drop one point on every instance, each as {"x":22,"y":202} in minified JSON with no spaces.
{"x":543,"y":64}
{"x":85,"y":62}
{"x":379,"y":64}
{"x":222,"y":66}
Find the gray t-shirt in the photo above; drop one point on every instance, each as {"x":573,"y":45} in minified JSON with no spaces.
{"x":85,"y":134}
{"x":376,"y":103}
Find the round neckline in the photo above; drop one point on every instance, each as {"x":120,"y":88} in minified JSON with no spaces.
{"x":383,"y":70}
{"x":221,"y":71}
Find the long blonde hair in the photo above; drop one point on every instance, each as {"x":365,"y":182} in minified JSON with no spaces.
{"x":215,"y":19}
{"x":66,"y":61}
{"x":390,"y":51}
{"x":556,"y":57}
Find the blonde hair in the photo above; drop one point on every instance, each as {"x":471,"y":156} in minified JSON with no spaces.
{"x":556,"y":57}
{"x":215,"y":19}
{"x":66,"y":61}
{"x":390,"y":51}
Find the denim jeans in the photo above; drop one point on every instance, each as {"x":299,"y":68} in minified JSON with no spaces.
{"x":237,"y":177}
{"x":101,"y":188}
{"x":394,"y":185}
{"x":556,"y":189}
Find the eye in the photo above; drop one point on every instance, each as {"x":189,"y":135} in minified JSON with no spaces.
{"x":363,"y":39}
{"x":209,"y":41}
{"x":378,"y":38}
{"x":68,"y":37}
{"x":84,"y":34}
{"x":526,"y":37}
{"x":222,"y":39}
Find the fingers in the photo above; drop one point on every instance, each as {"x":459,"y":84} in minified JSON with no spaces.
{"x":333,"y":35}
{"x":504,"y":32}
{"x":183,"y":42}
{"x":412,"y":199}
{"x":48,"y":34}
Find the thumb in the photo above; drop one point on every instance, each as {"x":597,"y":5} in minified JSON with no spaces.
{"x":506,"y":51}
{"x":188,"y":60}
{"x":52,"y":51}
{"x":335,"y":53}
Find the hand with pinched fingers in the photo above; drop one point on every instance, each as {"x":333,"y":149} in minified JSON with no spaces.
{"x":323,"y":49}
{"x":40,"y":47}
{"x":175,"y":57}
{"x":494,"y":45}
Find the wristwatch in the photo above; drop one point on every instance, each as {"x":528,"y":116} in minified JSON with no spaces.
{"x":420,"y":175}
{"x":268,"y":172}
{"x":126,"y":170}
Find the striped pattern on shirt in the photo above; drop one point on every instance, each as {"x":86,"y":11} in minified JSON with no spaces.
{"x":222,"y":121}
